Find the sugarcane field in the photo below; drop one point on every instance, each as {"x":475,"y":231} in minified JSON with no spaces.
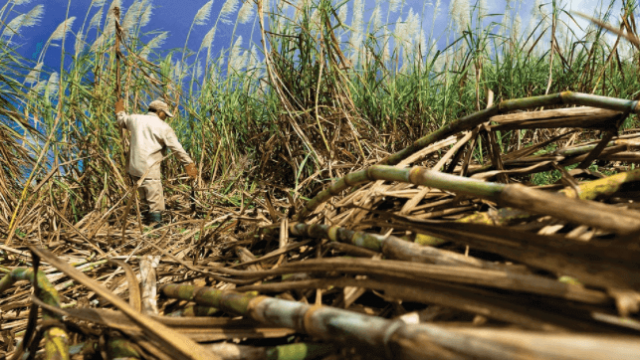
{"x":320,"y":179}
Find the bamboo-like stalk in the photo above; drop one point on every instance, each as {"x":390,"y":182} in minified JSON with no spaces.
{"x":325,"y":323}
{"x":587,"y":191}
{"x":401,"y":341}
{"x":459,"y":274}
{"x":122,"y":349}
{"x":56,"y":339}
{"x":391,"y":246}
{"x":194,"y":311}
{"x":299,"y":351}
{"x":477,"y":118}
{"x":514,"y":195}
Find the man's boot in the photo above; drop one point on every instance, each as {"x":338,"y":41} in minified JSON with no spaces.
{"x":154,"y":219}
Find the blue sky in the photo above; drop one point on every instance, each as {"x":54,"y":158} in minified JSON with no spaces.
{"x":176,"y":18}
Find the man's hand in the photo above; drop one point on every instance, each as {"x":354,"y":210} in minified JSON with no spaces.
{"x":119,"y":106}
{"x":192,"y":171}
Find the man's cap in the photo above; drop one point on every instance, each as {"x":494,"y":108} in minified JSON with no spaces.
{"x":160,"y":105}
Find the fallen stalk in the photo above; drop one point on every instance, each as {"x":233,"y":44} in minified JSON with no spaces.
{"x":586,"y":191}
{"x":456,"y":274}
{"x":391,"y":246}
{"x":514,"y":195}
{"x":401,"y":341}
{"x":475,"y":119}
{"x":513,"y":310}
{"x":56,"y":339}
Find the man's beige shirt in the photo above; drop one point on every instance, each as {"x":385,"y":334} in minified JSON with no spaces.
{"x":149,"y":137}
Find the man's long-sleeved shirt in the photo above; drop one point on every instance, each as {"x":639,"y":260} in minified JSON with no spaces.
{"x":149,"y":137}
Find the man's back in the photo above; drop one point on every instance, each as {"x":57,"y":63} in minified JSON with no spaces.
{"x":149,"y":136}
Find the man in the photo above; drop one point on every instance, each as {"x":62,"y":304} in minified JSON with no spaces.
{"x":150,"y":137}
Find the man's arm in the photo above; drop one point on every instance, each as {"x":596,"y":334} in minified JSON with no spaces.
{"x":171,"y":141}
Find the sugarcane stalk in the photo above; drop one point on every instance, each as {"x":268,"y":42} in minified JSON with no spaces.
{"x":586,"y":191}
{"x":401,"y":341}
{"x":194,"y":311}
{"x":477,"y":118}
{"x":388,"y":173}
{"x":299,"y":351}
{"x":391,"y":246}
{"x":122,"y":349}
{"x":593,"y":214}
{"x":326,"y":323}
{"x":56,"y":339}
{"x":117,"y":348}
{"x":118,"y":87}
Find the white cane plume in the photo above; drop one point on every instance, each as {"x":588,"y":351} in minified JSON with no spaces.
{"x":229,"y":7}
{"x":132,"y":17}
{"x":199,"y":70}
{"x":145,"y":18}
{"x":237,"y":58}
{"x":33,"y":17}
{"x":208,"y":38}
{"x":358,"y":15}
{"x":343,"y":13}
{"x":424,"y":47}
{"x":254,"y":60}
{"x":13,"y":27}
{"x":356,"y":32}
{"x":246,"y":12}
{"x":413,"y":24}
{"x":96,"y":20}
{"x":203,"y":14}
{"x":110,"y":15}
{"x":33,"y":75}
{"x":40,"y":87}
{"x":506,"y":22}
{"x":315,"y":19}
{"x":517,"y":27}
{"x":99,"y":3}
{"x":459,"y":13}
{"x":63,"y":29}
{"x":394,"y":5}
{"x":109,"y":27}
{"x":79,"y":46}
{"x":399,"y":33}
{"x":177,"y":70}
{"x":376,"y":16}
{"x":155,"y":43}
{"x":386,"y":38}
{"x":52,"y":84}
{"x":482,"y":8}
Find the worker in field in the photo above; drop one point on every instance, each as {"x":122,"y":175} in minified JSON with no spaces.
{"x":150,"y":137}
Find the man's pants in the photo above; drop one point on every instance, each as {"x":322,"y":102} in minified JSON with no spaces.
{"x":151,"y":193}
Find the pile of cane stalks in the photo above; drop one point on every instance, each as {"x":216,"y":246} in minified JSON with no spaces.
{"x":424,"y":254}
